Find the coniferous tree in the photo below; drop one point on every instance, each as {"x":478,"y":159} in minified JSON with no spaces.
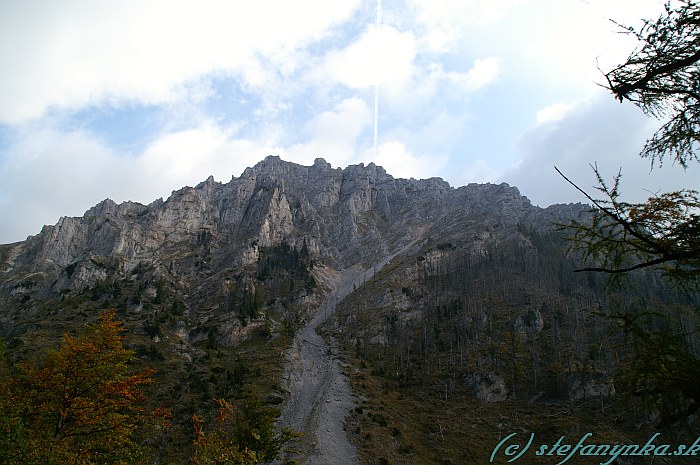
{"x":662,"y":77}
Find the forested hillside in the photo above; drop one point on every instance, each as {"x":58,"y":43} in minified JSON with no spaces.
{"x":452,"y":349}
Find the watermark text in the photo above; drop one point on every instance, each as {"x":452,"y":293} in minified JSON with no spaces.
{"x":514,"y":446}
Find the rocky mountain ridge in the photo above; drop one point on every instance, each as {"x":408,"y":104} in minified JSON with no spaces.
{"x":345,"y":216}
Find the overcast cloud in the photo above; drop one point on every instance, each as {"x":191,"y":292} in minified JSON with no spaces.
{"x":133,"y":99}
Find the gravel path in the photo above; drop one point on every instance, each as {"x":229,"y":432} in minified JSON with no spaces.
{"x":320,"y":396}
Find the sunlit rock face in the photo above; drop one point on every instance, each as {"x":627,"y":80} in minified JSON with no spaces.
{"x":342,"y":216}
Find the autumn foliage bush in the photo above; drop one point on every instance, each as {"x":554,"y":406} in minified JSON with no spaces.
{"x":83,"y":404}
{"x":80,"y":405}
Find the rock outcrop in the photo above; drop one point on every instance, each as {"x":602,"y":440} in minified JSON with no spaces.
{"x":345,"y":216}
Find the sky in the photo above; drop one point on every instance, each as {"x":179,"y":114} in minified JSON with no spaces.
{"x":133,"y":99}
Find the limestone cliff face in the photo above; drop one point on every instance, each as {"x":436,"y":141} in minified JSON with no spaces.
{"x":344,"y":216}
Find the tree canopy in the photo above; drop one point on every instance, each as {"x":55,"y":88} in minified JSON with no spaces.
{"x":622,"y":237}
{"x":81,"y":405}
{"x":662,"y":77}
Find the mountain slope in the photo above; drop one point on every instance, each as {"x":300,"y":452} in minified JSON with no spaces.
{"x":219,"y":281}
{"x":342,"y":217}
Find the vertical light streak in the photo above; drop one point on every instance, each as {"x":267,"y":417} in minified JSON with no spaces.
{"x":378,"y":22}
{"x":376,"y":117}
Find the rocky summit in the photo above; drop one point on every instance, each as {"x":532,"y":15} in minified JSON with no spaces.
{"x":344,"y":216}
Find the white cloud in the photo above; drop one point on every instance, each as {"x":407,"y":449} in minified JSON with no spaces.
{"x":579,"y":38}
{"x":49,"y":175}
{"x":554,"y":112}
{"x":52,"y":174}
{"x":477,"y":170}
{"x":484,"y":72}
{"x":333,"y":135}
{"x":401,"y":163}
{"x":190,"y":156}
{"x":435,"y":134}
{"x":446,"y":20}
{"x":76,"y":54}
{"x":381,"y":55}
{"x":599,"y":131}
